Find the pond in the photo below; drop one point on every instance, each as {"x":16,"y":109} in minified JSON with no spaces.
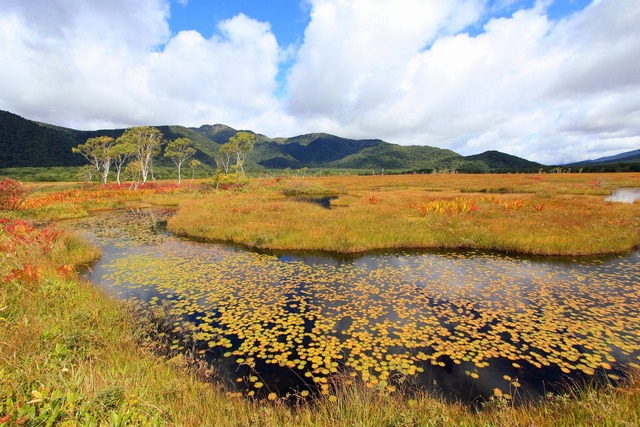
{"x":463,"y":324}
{"x":624,"y":195}
{"x":324,"y":201}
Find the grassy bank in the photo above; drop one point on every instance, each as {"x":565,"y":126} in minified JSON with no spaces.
{"x":533,"y":214}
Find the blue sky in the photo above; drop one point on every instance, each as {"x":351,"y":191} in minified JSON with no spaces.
{"x":288,"y":18}
{"x":561,"y":9}
{"x":548,"y":80}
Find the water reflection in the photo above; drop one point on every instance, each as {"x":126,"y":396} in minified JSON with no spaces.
{"x":466,"y":323}
{"x":624,"y":195}
{"x":324,"y":201}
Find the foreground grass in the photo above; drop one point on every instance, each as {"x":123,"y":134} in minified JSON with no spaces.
{"x":532,"y":214}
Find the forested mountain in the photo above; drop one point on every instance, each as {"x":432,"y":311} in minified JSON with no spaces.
{"x":495,"y":161}
{"x":629,"y":156}
{"x":25,"y":143}
{"x":623,"y":162}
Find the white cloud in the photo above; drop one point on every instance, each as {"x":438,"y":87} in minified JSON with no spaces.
{"x":354,"y":53}
{"x":401,"y":70}
{"x":77,"y":62}
{"x":230,"y":77}
{"x":548,"y":91}
{"x":87,"y":65}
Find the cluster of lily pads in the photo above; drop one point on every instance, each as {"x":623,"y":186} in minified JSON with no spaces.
{"x":386,"y":317}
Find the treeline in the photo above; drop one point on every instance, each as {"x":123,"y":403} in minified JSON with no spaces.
{"x":611,"y":167}
{"x":25,"y":143}
{"x":133,"y":154}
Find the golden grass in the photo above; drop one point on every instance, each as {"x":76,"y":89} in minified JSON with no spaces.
{"x":535,"y":214}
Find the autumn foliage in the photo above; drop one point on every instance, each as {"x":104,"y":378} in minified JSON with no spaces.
{"x":24,"y":248}
{"x":107,"y":192}
{"x":12,"y":194}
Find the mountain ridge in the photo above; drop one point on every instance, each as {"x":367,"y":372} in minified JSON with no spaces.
{"x":26,"y":143}
{"x":628,"y":156}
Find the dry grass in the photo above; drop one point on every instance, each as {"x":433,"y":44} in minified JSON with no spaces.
{"x":535,"y":214}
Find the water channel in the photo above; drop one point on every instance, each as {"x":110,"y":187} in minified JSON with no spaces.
{"x":463,"y":324}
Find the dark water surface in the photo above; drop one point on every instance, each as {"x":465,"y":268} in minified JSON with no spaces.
{"x":324,"y":201}
{"x":465,"y":324}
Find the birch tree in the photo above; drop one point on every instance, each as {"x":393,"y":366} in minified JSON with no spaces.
{"x":179,"y":151}
{"x":193,"y":164}
{"x":97,"y":151}
{"x":240,"y":144}
{"x":147,"y":141}
{"x":226,"y":151}
{"x":121,"y":152}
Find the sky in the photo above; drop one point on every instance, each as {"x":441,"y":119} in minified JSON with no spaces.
{"x":553,"y":81}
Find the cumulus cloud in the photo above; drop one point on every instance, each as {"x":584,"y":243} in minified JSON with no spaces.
{"x":439,"y":72}
{"x":355,"y":52}
{"x":227,"y":77}
{"x":549,"y":91}
{"x":92,"y":64}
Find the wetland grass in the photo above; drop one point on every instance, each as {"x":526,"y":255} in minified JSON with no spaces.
{"x":532,"y":214}
{"x":69,"y":355}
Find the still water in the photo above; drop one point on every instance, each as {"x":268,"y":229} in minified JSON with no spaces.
{"x":624,"y":195}
{"x":463,"y":324}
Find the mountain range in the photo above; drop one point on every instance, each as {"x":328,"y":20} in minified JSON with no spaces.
{"x":26,"y":143}
{"x":628,"y":157}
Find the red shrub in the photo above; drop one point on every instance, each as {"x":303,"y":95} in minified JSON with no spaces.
{"x":12,"y":194}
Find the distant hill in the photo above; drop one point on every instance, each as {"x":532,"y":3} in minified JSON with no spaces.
{"x":398,"y":157}
{"x":624,"y":162}
{"x":25,"y":143}
{"x":495,"y":161}
{"x":629,"y":156}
